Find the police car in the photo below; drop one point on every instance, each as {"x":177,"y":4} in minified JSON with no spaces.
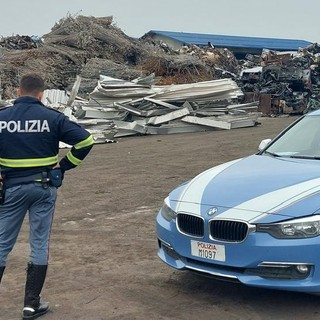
{"x":254,"y":220}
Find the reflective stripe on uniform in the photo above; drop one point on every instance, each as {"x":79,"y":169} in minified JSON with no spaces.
{"x":85,"y":143}
{"x":75,"y":161}
{"x":26,"y":163}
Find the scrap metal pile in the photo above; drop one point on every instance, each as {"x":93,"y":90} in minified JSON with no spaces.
{"x":130,"y":86}
{"x":89,"y":47}
{"x":68,"y":50}
{"x":18,"y":42}
{"x":119,"y":108}
{"x":139,"y":107}
{"x":136,"y":86}
{"x":291,"y":79}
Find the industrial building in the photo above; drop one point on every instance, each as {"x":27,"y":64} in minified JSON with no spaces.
{"x":239,"y":45}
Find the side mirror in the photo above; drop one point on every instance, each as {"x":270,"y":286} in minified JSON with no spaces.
{"x":263,"y":144}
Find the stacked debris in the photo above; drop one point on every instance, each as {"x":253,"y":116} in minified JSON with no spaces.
{"x":142,"y":107}
{"x":146,"y":88}
{"x":89,"y":47}
{"x":119,"y":108}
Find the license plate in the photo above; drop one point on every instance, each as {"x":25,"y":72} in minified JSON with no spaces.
{"x":208,"y":251}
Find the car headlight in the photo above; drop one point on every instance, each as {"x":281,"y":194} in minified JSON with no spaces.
{"x":167,"y":212}
{"x":307,"y":227}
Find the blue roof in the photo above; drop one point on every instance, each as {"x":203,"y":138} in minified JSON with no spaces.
{"x":234,"y":41}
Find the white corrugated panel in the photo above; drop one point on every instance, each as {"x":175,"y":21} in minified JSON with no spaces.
{"x":53,"y":96}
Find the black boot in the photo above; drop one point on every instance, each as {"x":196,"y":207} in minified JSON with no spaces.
{"x":1,"y":272}
{"x":33,"y":308}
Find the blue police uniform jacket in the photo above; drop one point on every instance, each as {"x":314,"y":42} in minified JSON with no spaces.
{"x":29,"y":139}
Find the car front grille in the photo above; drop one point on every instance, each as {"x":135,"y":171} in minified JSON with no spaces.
{"x":222,"y":230}
{"x":190,"y":225}
{"x":226,"y":230}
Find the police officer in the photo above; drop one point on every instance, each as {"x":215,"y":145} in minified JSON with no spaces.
{"x":31,"y":173}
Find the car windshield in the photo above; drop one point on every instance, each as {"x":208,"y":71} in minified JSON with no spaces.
{"x":302,"y":140}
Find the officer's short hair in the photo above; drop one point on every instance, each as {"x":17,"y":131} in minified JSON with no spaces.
{"x":31,"y":84}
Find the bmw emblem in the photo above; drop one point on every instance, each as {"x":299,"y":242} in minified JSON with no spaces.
{"x":212,"y":211}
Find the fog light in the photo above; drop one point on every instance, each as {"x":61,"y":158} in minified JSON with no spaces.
{"x":302,"y":268}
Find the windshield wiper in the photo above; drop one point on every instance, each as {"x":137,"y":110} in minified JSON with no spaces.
{"x":272,"y":154}
{"x":305,"y":157}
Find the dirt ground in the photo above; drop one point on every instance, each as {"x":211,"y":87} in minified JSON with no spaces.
{"x":103,"y":253}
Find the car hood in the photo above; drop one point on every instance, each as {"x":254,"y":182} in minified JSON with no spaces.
{"x":252,"y":188}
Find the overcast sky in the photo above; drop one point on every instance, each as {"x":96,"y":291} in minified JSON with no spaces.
{"x":292,"y":19}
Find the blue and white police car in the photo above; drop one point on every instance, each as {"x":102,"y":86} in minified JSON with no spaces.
{"x":254,"y":220}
